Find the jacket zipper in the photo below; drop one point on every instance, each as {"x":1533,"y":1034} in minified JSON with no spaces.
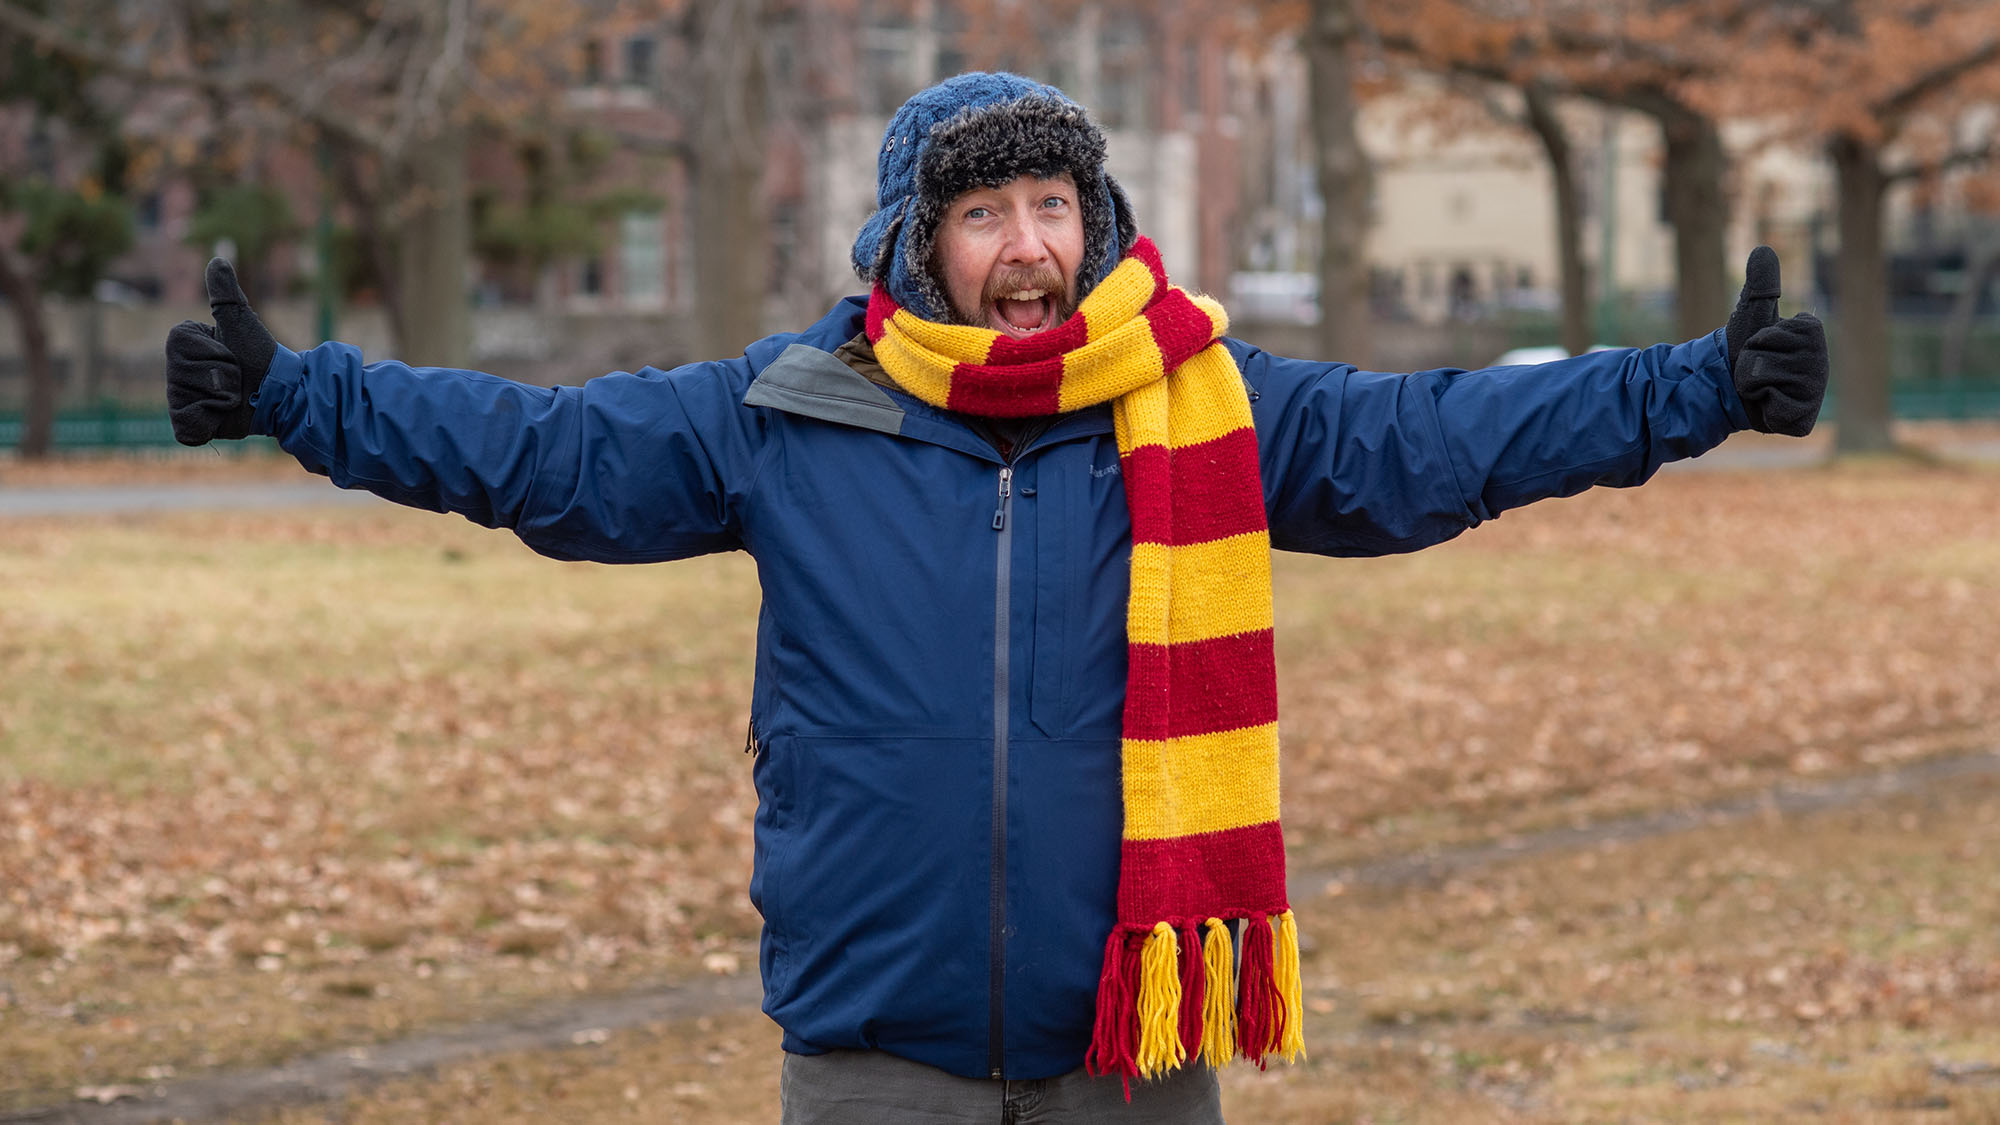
{"x":997,"y":901}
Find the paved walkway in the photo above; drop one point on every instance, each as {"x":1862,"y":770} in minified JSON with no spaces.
{"x":129,"y":499}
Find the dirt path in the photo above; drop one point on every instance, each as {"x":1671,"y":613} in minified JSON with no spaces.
{"x":334,"y":1073}
{"x":1789,"y":799}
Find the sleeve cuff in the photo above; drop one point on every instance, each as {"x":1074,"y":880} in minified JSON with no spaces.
{"x":287,"y":371}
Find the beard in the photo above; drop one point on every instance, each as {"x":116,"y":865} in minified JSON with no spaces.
{"x":1061,"y":304}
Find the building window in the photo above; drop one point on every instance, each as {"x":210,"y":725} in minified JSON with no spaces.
{"x":784,"y":58}
{"x":788,"y":246}
{"x":952,"y":33}
{"x":885,"y":69}
{"x":639,"y":61}
{"x":1125,"y":65}
{"x":146,"y":213}
{"x":592,"y":62}
{"x":1190,"y":80}
{"x":590,"y":279}
{"x":642,"y":258}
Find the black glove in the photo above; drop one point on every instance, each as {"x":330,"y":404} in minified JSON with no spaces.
{"x":1780,"y":366}
{"x":213,"y":373}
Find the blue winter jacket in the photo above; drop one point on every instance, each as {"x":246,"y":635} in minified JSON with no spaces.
{"x":941,"y":650}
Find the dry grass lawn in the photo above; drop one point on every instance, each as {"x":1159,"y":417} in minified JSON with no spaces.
{"x":1843,"y":967}
{"x":271,"y":782}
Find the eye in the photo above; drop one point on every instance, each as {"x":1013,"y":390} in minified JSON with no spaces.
{"x":1055,"y":201}
{"x":977,"y":213}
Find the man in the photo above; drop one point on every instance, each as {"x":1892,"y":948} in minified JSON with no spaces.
{"x":1014,"y":717}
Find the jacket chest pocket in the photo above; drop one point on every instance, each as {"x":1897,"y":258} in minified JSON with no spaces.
{"x":1082,"y":554}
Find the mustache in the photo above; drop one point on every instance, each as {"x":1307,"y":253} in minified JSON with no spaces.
{"x":1014,"y":280}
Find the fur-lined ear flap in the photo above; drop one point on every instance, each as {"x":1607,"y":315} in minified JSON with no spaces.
{"x":1121,"y":213}
{"x":886,"y":248}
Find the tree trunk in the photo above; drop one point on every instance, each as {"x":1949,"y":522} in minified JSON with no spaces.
{"x":732,"y":240}
{"x":31,"y":321}
{"x":433,"y":248}
{"x":1861,"y":359}
{"x":1344,"y":183}
{"x":1569,"y":219}
{"x":1697,"y":207}
{"x":352,"y":168}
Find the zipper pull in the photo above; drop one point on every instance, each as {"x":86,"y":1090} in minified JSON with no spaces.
{"x":750,"y":738}
{"x":1006,"y":490}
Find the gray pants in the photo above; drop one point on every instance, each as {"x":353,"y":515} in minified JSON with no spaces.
{"x":876,"y":1088}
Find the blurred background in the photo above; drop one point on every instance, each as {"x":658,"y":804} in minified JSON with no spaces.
{"x":1654,"y":805}
{"x":549,"y":189}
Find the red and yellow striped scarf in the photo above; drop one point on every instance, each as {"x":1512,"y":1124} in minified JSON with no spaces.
{"x":1201,"y":844}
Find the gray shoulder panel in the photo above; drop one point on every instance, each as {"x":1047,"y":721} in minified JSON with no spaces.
{"x":806,"y":381}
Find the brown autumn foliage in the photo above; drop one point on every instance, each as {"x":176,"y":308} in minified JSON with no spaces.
{"x":1891,"y":93}
{"x":399,"y":97}
{"x":391,"y":90}
{"x":1888,"y":91}
{"x":1628,"y":56}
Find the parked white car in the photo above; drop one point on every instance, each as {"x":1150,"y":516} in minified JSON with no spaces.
{"x":1540,"y":353}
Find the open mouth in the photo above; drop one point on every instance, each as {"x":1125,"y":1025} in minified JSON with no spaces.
{"x":1023,"y":312}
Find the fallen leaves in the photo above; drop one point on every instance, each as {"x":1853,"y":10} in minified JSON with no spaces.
{"x":326,"y":755}
{"x":1624,"y":650}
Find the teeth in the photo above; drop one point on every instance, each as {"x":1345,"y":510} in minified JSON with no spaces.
{"x":1027,"y":294}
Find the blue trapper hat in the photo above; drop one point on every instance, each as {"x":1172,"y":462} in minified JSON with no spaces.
{"x":982,"y":130}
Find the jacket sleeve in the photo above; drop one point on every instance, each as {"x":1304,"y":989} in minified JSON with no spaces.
{"x":1360,"y":463}
{"x":625,"y":468}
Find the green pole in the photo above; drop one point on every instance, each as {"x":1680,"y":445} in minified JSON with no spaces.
{"x":1607,"y":268}
{"x":323,"y":242}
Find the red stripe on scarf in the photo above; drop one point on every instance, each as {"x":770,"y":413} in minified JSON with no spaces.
{"x":1180,"y":328}
{"x":1148,"y":253}
{"x":1201,"y":501}
{"x":1007,"y":392}
{"x":1203,"y":876}
{"x":881,"y":307}
{"x":1222,"y":684}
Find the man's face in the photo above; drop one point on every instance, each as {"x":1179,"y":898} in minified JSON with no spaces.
{"x":1008,"y":255}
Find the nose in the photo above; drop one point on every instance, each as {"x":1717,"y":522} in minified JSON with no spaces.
{"x":1025,"y":245}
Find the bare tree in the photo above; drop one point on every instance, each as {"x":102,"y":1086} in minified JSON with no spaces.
{"x":1612,"y":54}
{"x":725,"y":110}
{"x":1345,"y":180}
{"x":1873,"y":80}
{"x":1541,"y":118}
{"x":393,"y":90}
{"x":60,"y":210}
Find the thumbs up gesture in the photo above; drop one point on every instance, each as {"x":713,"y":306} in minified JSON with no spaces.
{"x":1779,"y":364}
{"x":213,"y":371}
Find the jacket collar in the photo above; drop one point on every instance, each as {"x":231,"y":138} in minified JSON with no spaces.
{"x":845,"y":385}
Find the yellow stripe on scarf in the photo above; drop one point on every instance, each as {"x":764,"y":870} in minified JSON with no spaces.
{"x":1212,"y":592}
{"x":1201,"y":783}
